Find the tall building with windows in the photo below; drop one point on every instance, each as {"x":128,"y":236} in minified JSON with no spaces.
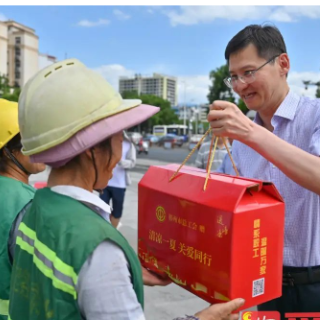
{"x":19,"y":46}
{"x":19,"y":53}
{"x":159,"y":85}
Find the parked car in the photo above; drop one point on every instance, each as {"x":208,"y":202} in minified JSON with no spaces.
{"x":151,"y":138}
{"x":194,"y":140}
{"x":175,"y":140}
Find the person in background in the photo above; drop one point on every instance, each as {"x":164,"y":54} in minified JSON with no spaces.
{"x":226,"y":166}
{"x":116,"y":188}
{"x":15,"y":192}
{"x":203,"y":154}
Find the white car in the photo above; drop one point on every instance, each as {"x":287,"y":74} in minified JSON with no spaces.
{"x":194,"y":140}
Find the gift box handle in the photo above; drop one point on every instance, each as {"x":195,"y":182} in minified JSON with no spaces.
{"x":210,"y":158}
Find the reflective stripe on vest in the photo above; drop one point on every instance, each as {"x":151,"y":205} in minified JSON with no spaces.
{"x":4,"y":307}
{"x":62,"y":275}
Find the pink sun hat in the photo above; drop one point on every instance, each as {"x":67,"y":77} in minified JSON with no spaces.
{"x":93,"y":134}
{"x":68,"y":108}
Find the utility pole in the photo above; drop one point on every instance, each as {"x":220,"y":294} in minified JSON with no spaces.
{"x":197,"y":115}
{"x":184,"y":110}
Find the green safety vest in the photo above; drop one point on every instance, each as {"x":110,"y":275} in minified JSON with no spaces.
{"x":14,"y":196}
{"x":55,"y":238}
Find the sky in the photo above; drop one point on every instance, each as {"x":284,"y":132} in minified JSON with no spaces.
{"x":182,"y":41}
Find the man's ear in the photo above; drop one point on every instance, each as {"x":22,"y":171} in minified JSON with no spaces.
{"x":284,"y":63}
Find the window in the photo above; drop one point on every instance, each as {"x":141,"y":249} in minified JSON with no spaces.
{"x":18,"y":52}
{"x":17,"y":75}
{"x":18,"y":40}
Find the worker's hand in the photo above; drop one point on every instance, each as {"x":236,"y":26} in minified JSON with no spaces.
{"x":221,"y":311}
{"x":152,"y":279}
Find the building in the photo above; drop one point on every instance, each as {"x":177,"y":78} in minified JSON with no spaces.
{"x":159,"y":85}
{"x":19,"y":53}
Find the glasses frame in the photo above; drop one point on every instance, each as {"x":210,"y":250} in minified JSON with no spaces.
{"x":227,"y":80}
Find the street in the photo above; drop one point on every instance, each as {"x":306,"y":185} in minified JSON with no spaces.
{"x":176,"y":155}
{"x":162,"y":156}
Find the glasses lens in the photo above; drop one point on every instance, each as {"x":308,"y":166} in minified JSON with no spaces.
{"x":227,"y":81}
{"x":249,"y":78}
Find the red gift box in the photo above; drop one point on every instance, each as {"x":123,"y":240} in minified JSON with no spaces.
{"x":222,"y":243}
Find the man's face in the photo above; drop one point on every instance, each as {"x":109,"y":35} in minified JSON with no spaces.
{"x":259,"y":94}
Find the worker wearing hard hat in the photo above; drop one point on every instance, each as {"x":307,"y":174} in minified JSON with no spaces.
{"x":73,"y":262}
{"x":15,"y":193}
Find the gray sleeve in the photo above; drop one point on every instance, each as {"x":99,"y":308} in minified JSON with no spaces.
{"x":14,"y":230}
{"x":199,"y":160}
{"x":104,"y":286}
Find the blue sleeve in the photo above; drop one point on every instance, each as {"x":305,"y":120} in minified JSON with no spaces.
{"x":226,"y":166}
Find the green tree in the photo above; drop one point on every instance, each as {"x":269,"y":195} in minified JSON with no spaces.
{"x":242,"y":106}
{"x":220,"y":91}
{"x":4,"y":84}
{"x":165,"y":116}
{"x":8,"y":92}
{"x":317,"y":84}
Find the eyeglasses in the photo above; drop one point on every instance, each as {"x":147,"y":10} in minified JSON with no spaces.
{"x":247,"y":77}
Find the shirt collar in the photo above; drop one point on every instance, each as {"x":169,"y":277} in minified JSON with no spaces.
{"x":86,"y":197}
{"x":287,"y":108}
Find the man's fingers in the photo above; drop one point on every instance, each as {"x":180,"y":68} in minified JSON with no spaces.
{"x":216,"y":114}
{"x":217,"y":124}
{"x":231,"y":306}
{"x":220,"y":105}
{"x":234,"y":316}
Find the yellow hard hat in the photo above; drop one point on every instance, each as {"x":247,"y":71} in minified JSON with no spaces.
{"x":9,"y":126}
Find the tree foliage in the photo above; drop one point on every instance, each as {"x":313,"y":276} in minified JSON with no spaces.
{"x":8,"y":92}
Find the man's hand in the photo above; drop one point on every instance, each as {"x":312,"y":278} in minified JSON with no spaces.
{"x":152,"y":279}
{"x":227,"y":120}
{"x":221,"y":311}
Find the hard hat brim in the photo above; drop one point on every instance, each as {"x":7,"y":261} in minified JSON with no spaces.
{"x":93,"y":134}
